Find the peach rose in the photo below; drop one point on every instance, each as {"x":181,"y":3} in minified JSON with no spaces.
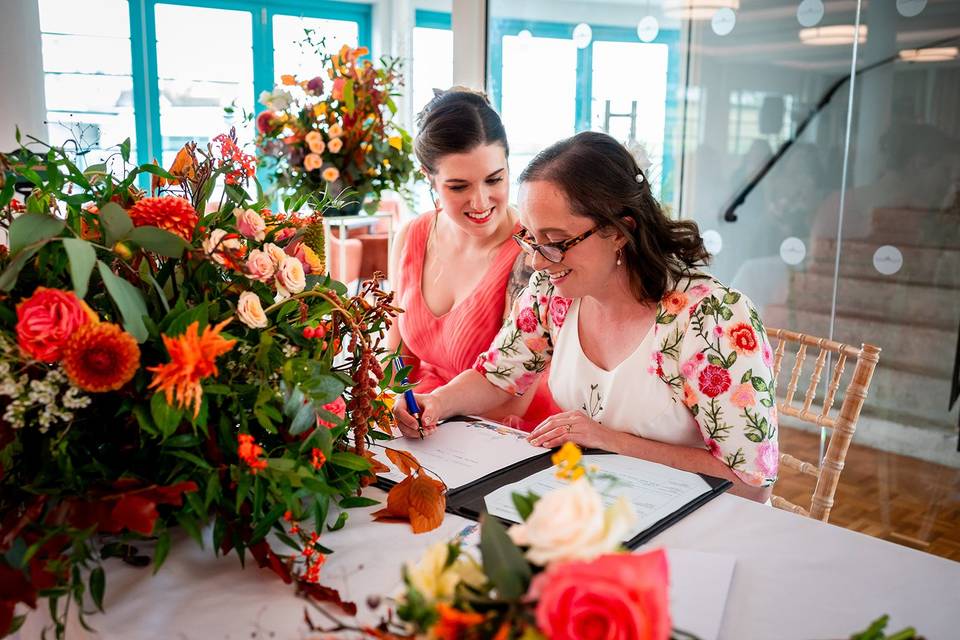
{"x":335,"y":131}
{"x":251,"y":225}
{"x":311,"y":262}
{"x":250,"y":311}
{"x":221,"y":244}
{"x":276,"y":253}
{"x":675,"y":302}
{"x":290,"y":277}
{"x":312,"y":162}
{"x":260,"y":266}
{"x":330,"y":174}
{"x":47,"y":319}
{"x":743,"y":396}
{"x":315,"y":141}
{"x":614,"y":596}
{"x":335,"y":145}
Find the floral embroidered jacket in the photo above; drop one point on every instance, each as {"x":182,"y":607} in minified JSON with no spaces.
{"x":710,"y":348}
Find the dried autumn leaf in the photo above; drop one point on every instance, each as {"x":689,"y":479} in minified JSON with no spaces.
{"x":376,"y":467}
{"x":419,"y":500}
{"x":406,"y":462}
{"x":427,"y":504}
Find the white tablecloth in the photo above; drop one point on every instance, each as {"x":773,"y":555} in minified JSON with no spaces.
{"x":794,"y":578}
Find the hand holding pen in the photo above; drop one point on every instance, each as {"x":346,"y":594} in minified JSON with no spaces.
{"x":413,"y":409}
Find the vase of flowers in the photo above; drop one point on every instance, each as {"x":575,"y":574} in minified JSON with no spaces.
{"x":167,"y":362}
{"x":337,"y":133}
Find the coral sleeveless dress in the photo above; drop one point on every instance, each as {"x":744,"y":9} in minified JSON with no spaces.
{"x":441,"y":347}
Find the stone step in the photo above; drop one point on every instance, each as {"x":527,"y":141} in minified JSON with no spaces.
{"x":894,"y":302}
{"x":936,"y":266}
{"x":905,"y":347}
{"x":915,"y":227}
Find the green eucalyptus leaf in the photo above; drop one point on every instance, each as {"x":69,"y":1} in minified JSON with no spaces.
{"x":116,"y":222}
{"x":158,"y":241}
{"x":503,"y":561}
{"x":128,"y":299}
{"x":29,"y":228}
{"x":98,"y":584}
{"x":82,"y":258}
{"x":9,"y":276}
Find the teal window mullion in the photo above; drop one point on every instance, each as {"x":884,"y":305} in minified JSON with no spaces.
{"x":584,"y":88}
{"x":263,"y":71}
{"x":146,"y":90}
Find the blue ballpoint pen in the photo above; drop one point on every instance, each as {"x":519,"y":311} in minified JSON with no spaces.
{"x":412,"y":405}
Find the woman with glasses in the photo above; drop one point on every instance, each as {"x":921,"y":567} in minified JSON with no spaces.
{"x":649,"y":356}
{"x":456,"y":270}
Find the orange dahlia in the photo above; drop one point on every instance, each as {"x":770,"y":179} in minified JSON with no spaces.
{"x":101,"y":357}
{"x":193,"y":357}
{"x":171,"y":213}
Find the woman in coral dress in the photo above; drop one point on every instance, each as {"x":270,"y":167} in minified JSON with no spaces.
{"x":456,"y":270}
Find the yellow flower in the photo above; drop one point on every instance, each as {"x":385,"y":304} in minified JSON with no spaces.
{"x":435,"y":580}
{"x":386,"y":162}
{"x":313,"y":260}
{"x":319,"y":109}
{"x":330,"y":174}
{"x":288,"y":80}
{"x":567,"y":461}
{"x":396,"y":142}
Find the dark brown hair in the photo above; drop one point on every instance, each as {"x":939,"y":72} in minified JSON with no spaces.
{"x":456,"y":121}
{"x":599,"y":178}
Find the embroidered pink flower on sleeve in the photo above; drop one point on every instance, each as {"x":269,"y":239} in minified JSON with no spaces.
{"x":558,"y":310}
{"x":690,"y":368}
{"x":768,"y":458}
{"x":767,"y":354}
{"x":743,"y":338}
{"x":527,"y":320}
{"x":743,"y":396}
{"x":714,"y":380}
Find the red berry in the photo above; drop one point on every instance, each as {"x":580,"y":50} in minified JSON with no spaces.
{"x":308,"y":332}
{"x":321,"y":331}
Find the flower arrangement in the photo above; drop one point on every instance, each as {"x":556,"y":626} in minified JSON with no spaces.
{"x":561,"y":574}
{"x":171,"y":361}
{"x":338,"y":131}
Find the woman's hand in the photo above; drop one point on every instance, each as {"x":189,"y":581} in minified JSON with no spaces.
{"x":570,"y":426}
{"x":430,"y":411}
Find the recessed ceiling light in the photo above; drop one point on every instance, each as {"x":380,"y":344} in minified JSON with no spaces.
{"x":696,"y":9}
{"x":930,"y":54}
{"x":833,"y":35}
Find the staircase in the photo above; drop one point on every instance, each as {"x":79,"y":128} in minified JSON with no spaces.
{"x":912,"y":315}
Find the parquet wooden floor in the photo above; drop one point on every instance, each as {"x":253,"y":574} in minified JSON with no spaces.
{"x":886,"y":495}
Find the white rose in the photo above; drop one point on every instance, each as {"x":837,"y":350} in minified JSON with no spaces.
{"x":250,"y":311}
{"x":276,"y":254}
{"x":290,"y":276}
{"x":217,"y":244}
{"x":435,"y":580}
{"x":570,"y":524}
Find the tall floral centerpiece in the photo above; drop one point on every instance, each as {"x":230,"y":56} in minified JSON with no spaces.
{"x":168,"y":360}
{"x":337,"y":132}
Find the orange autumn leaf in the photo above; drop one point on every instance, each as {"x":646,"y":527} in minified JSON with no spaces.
{"x":406,"y":462}
{"x":419,"y":500}
{"x":376,"y":467}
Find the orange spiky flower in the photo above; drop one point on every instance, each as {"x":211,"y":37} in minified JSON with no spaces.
{"x":193,"y":357}
{"x":101,"y":357}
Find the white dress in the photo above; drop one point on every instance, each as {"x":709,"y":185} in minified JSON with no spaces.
{"x":627,"y":398}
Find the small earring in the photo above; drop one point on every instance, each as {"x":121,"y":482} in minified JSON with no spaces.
{"x":619,"y":256}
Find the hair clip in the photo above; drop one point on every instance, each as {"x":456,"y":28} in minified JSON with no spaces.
{"x":640,"y":178}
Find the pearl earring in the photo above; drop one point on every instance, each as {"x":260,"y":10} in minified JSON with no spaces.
{"x":619,"y":256}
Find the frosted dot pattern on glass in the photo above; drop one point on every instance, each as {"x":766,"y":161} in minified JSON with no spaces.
{"x":793,"y":251}
{"x":887,"y":259}
{"x":723,"y":21}
{"x":582,"y":35}
{"x":712,"y":241}
{"x":648,"y":29}
{"x":911,"y":8}
{"x":810,"y":13}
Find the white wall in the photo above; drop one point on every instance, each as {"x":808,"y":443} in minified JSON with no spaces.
{"x":21,"y":72}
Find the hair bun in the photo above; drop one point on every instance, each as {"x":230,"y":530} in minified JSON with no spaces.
{"x":440,"y":95}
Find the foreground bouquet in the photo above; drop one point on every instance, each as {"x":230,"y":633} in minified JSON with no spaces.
{"x":169,"y":361}
{"x":337,"y":131}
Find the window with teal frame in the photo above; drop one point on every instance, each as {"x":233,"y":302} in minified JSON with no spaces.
{"x":192,"y":58}
{"x":572,"y":104}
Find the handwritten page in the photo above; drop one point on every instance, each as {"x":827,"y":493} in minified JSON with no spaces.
{"x":655,"y":490}
{"x":462,"y":451}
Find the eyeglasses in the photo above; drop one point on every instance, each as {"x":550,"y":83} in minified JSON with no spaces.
{"x":552,"y":251}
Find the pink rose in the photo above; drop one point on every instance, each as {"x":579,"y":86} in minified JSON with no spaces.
{"x":714,"y":449}
{"x":338,"y":408}
{"x":689,"y":368}
{"x":527,"y":320}
{"x":290,"y":277}
{"x":743,"y":396}
{"x":558,"y":310}
{"x":47,"y":319}
{"x":251,"y":225}
{"x":768,"y":458}
{"x":260,"y":266}
{"x":612,"y":596}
